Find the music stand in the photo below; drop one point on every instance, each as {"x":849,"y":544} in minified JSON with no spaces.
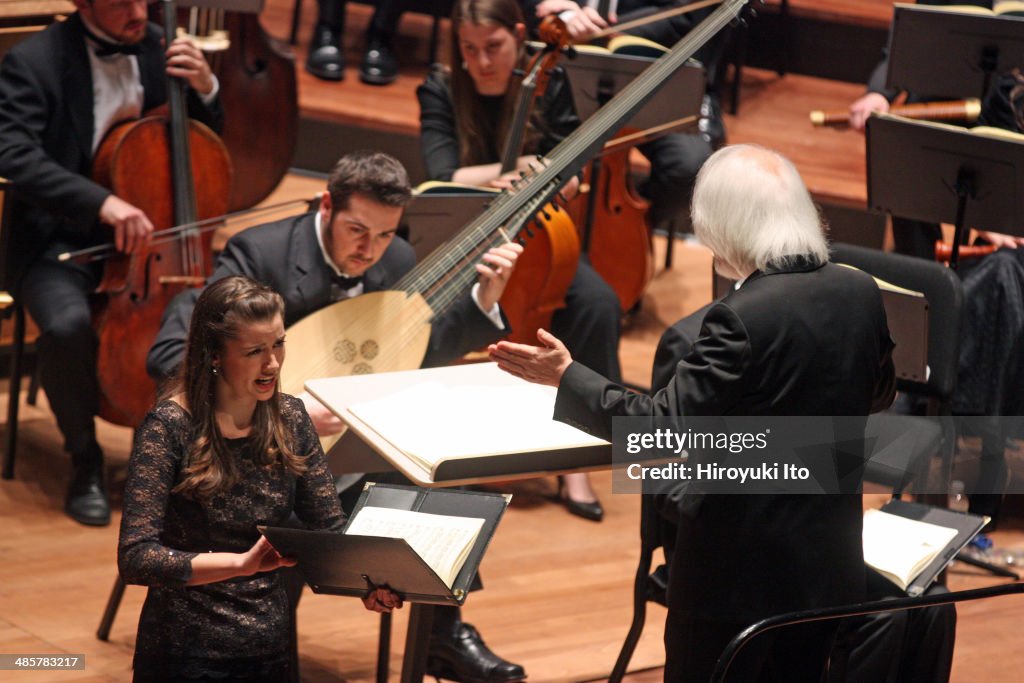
{"x":963,"y":50}
{"x":941,"y":174}
{"x":436,"y":216}
{"x":594,"y":78}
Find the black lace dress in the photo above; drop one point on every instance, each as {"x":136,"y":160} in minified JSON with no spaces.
{"x":236,"y":629}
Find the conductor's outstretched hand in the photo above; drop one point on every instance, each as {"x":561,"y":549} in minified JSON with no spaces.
{"x":543,"y":364}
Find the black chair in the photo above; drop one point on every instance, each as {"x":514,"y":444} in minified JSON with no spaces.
{"x":742,"y":639}
{"x":906,"y":442}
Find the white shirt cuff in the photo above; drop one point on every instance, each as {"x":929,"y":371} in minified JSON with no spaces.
{"x":212,"y":95}
{"x":494,"y":315}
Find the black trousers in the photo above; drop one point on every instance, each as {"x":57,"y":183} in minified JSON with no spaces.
{"x":56,"y":295}
{"x":590,"y":323}
{"x":383,"y":24}
{"x":890,"y":647}
{"x":794,"y":653}
{"x":675,"y":161}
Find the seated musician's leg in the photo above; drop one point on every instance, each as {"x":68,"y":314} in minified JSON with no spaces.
{"x":325,"y":58}
{"x":590,"y":325}
{"x":379,"y":65}
{"x":675,"y":161}
{"x":56,"y":296}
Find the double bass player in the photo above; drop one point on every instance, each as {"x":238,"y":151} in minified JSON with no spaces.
{"x":61,"y":91}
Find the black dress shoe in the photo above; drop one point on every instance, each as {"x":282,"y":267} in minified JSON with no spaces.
{"x":592,"y":510}
{"x":325,"y":59}
{"x":87,"y":501}
{"x":379,"y":65}
{"x":462,"y":655}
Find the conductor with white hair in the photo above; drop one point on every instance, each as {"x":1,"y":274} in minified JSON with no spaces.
{"x":798,"y":336}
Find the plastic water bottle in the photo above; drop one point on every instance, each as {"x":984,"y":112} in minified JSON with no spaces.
{"x":957,"y":497}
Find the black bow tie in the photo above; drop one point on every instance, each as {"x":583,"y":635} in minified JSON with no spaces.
{"x":345,"y":282}
{"x":105,"y":48}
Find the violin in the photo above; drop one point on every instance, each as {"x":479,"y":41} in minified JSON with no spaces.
{"x":176,"y":171}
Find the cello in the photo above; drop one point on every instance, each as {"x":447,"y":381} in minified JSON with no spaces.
{"x":176,"y":171}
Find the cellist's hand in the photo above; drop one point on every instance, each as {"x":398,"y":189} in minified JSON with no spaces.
{"x":497,"y":268}
{"x":185,"y":60}
{"x":132,"y":228}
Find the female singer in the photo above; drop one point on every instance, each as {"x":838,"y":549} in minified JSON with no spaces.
{"x":226,"y":452}
{"x":465,"y":114}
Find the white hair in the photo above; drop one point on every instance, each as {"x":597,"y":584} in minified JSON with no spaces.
{"x":751,"y":208}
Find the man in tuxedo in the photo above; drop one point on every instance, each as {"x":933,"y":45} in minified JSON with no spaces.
{"x":910,"y":645}
{"x":800,"y":336}
{"x":60,"y":92}
{"x":346,"y":248}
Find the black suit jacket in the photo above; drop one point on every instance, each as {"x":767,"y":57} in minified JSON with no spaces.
{"x":286,"y":256}
{"x":46,"y":132}
{"x":803,"y":341}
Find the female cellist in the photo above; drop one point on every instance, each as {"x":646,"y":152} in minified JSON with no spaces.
{"x":61,"y":91}
{"x":464,"y":118}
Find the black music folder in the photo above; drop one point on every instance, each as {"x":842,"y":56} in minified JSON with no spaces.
{"x":967,"y":527}
{"x":341,"y":564}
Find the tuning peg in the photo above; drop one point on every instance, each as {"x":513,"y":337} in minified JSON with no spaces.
{"x":570,"y":51}
{"x":529,"y":231}
{"x":520,"y":241}
{"x":547,"y":216}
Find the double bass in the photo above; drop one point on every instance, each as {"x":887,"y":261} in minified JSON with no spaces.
{"x":176,"y":171}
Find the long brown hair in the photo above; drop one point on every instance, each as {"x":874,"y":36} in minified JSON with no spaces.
{"x":223,"y":309}
{"x":481,"y":138}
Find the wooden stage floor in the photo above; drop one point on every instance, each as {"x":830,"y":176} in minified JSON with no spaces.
{"x":558,"y":596}
{"x":558,"y":588}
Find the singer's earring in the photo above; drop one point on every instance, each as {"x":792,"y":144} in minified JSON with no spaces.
{"x":214,"y":370}
{"x":464,"y":66}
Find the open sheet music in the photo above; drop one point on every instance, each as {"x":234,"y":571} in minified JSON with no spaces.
{"x":443,"y":541}
{"x":432,"y":422}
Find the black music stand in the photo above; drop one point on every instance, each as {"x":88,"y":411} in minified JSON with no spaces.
{"x":595,"y":77}
{"x":963,"y":50}
{"x":938,"y":173}
{"x":439,"y":213}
